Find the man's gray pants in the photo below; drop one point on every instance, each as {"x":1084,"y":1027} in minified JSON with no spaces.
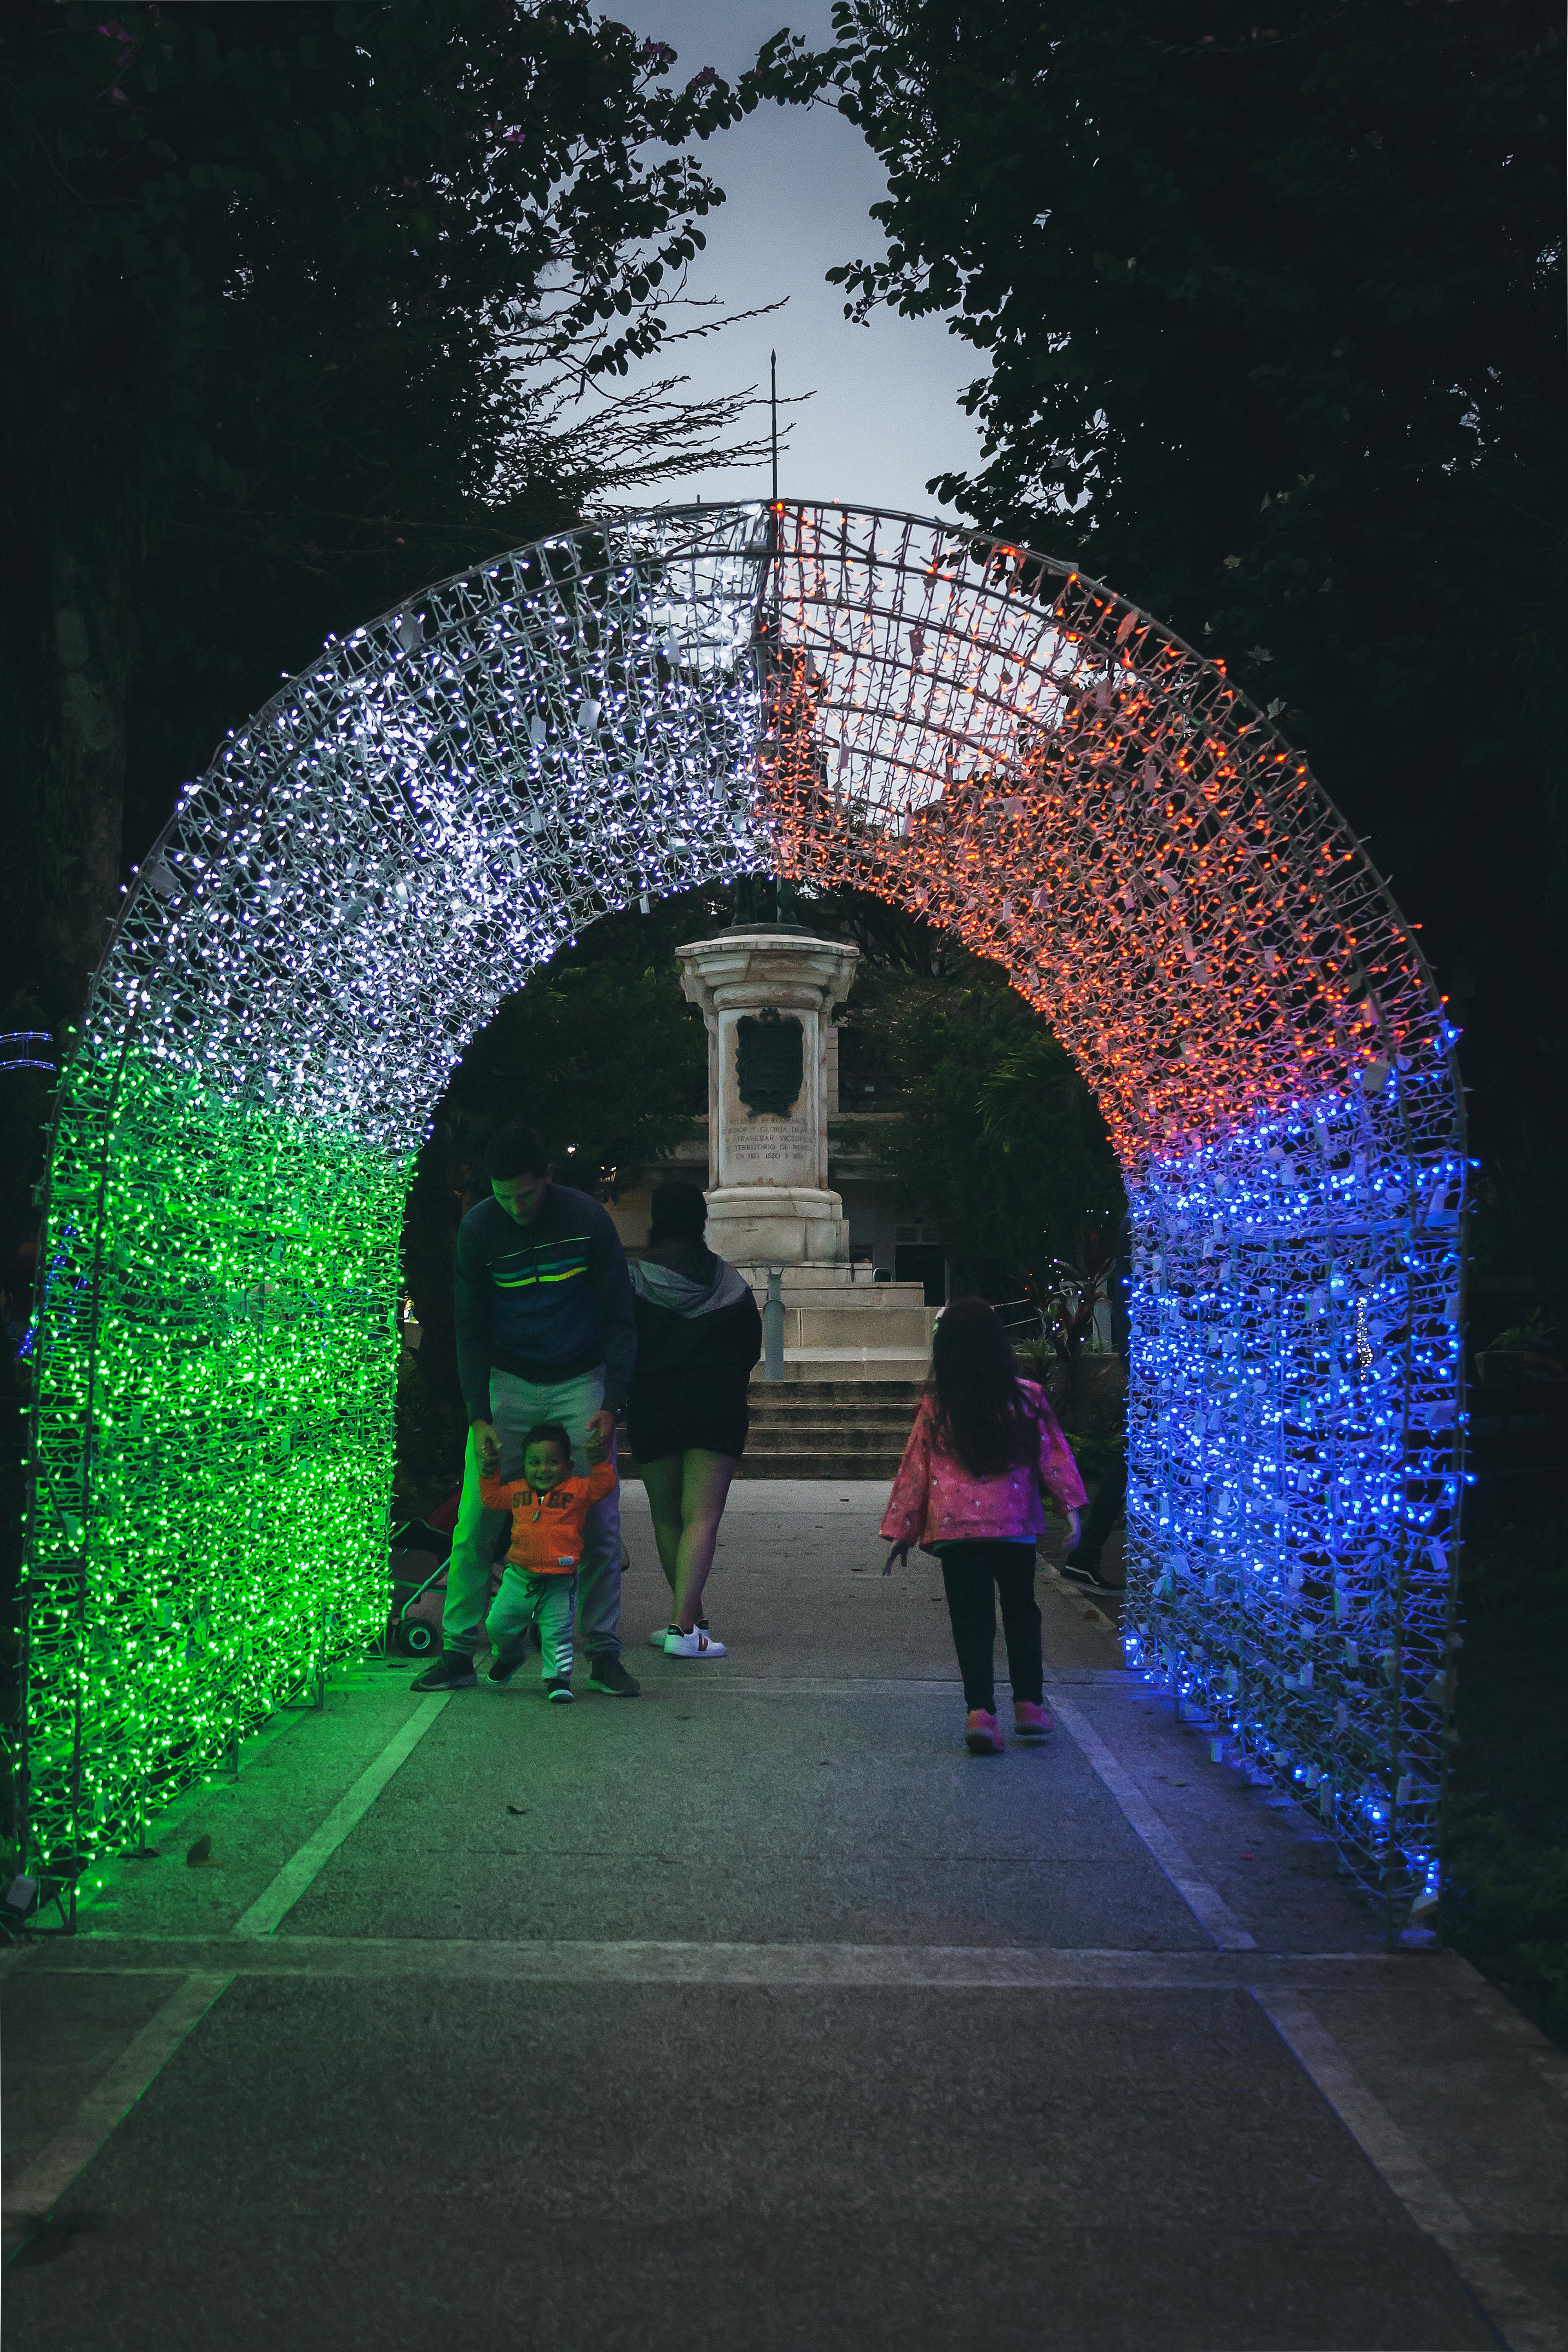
{"x":516,"y":1407}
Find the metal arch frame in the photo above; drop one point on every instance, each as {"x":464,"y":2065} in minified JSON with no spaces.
{"x":432,"y":808}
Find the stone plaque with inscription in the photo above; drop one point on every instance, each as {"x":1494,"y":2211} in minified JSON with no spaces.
{"x":770,"y":1062}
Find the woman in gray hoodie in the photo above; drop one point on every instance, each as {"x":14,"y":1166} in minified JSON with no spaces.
{"x":699,"y":1334}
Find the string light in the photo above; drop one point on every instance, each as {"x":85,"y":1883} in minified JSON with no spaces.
{"x":11,"y":1058}
{"x":410,"y":828}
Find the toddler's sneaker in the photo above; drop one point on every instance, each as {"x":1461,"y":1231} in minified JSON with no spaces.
{"x":502,"y":1668}
{"x":558,"y":1690}
{"x":980,"y":1735}
{"x":695,"y":1645}
{"x":1029,"y":1721}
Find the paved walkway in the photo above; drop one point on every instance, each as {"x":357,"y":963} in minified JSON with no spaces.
{"x":757,"y":2013}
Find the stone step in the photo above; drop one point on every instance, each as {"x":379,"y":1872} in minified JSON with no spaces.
{"x":789,"y":1446}
{"x":899,"y":1332}
{"x":804,"y":1398}
{"x":823,"y":1429}
{"x":764,"y":1463}
{"x":786,"y":1436}
{"x":859,"y":1393}
{"x":827,"y":1428}
{"x":757,"y":1465}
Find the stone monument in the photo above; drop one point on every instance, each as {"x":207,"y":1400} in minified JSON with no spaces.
{"x":769,"y":998}
{"x":768,"y":994}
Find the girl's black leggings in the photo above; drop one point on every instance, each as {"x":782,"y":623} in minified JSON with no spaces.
{"x":969,"y":1572}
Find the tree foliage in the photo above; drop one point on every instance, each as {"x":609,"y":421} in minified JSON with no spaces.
{"x":1271,"y":317}
{"x":996,"y":1138}
{"x":292,"y":298}
{"x":600,"y":1052}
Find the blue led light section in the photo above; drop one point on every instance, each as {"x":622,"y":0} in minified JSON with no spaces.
{"x":1294,"y":1458}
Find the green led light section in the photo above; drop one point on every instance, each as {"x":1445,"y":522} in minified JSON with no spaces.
{"x":216,"y":1360}
{"x":404,"y":832}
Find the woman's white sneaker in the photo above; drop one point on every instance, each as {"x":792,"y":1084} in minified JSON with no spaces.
{"x":695,"y":1645}
{"x":659,"y":1636}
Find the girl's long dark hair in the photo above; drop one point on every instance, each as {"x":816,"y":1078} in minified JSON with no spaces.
{"x":983,"y":1415}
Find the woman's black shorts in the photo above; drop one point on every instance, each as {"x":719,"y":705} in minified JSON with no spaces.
{"x":670,"y":1412}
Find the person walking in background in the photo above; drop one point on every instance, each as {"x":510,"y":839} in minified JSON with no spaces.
{"x":1083,"y":1562}
{"x":986,"y":1447}
{"x":539,"y":1584}
{"x":545,"y":1333}
{"x":699,"y":1334}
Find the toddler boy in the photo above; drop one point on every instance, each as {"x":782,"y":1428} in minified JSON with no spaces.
{"x":539,"y":1583}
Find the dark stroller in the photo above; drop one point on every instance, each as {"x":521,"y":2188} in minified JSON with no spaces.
{"x":420,"y":1550}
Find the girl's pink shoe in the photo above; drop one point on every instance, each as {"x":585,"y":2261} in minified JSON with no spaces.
{"x":1029,"y":1721}
{"x":980,"y":1735}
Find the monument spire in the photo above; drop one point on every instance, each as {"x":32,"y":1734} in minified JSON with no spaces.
{"x":774,"y":409}
{"x":748,"y":915}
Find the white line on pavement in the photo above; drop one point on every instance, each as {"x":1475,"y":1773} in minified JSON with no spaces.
{"x":276,"y":1901}
{"x":1027,"y":1967}
{"x":50,"y":2174}
{"x":44,"y":2183}
{"x":1529,"y":2322}
{"x":1362,"y":2113}
{"x":1202,"y":1900}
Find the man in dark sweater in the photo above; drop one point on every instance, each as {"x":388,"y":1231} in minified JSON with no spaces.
{"x":545,"y":1333}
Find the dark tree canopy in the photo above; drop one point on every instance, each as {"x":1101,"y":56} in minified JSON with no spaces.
{"x":996,"y":1138}
{"x":1271,"y":318}
{"x":282,"y":288}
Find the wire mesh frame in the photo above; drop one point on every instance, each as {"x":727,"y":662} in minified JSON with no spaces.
{"x":974,"y":731}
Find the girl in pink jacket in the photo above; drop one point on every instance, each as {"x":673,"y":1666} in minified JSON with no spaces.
{"x":984,"y":1448}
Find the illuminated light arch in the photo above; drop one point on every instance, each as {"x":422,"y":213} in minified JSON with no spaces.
{"x":447,"y":795}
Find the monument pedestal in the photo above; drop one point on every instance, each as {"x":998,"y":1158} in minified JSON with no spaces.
{"x":769,"y":998}
{"x":782,"y":1224}
{"x":840,"y":1325}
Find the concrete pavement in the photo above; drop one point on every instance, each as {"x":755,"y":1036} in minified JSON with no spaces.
{"x":757,"y":2010}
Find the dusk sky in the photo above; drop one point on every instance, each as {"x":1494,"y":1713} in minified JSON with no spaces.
{"x":800,"y":183}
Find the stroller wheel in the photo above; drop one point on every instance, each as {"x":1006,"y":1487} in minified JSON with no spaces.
{"x":415,"y":1637}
